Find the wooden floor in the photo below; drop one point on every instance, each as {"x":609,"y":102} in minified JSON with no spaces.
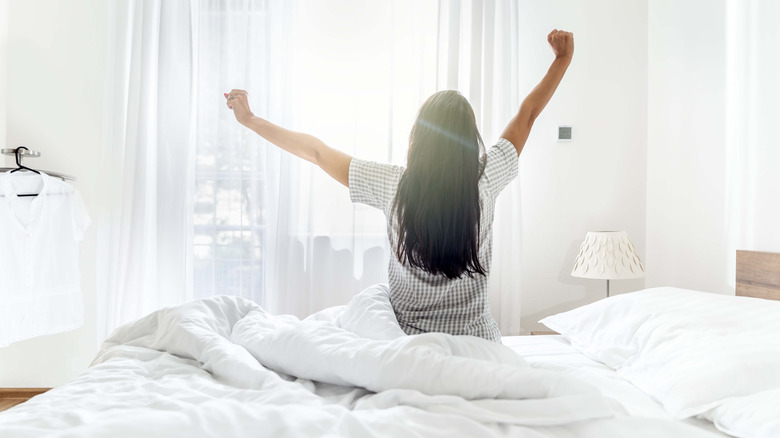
{"x":10,"y":397}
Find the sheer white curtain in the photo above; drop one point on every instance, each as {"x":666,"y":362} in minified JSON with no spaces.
{"x":253,"y":220}
{"x":148,"y":150}
{"x":753,"y":155}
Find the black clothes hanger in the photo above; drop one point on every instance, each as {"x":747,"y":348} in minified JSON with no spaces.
{"x":20,"y":166}
{"x":23,"y":152}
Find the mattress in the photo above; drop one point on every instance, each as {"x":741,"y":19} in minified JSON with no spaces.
{"x":554,"y":352}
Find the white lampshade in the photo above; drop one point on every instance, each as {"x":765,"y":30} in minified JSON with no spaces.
{"x":607,"y":255}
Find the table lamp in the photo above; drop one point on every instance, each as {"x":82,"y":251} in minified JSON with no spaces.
{"x":607,"y":255}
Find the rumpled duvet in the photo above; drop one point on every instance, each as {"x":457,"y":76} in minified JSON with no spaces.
{"x":224,"y":367}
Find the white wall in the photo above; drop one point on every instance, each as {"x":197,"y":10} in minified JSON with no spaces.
{"x":3,"y":73}
{"x":752,"y":153}
{"x":713,"y":180}
{"x":596,"y":182}
{"x":686,"y":150}
{"x":55,"y":60}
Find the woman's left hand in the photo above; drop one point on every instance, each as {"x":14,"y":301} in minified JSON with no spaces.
{"x":238,"y":101}
{"x":562,"y":43}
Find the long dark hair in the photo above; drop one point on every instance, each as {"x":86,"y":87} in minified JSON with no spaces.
{"x":437,"y":202}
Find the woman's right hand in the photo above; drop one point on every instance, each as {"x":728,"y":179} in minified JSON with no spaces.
{"x":562,"y":43}
{"x":238,"y":101}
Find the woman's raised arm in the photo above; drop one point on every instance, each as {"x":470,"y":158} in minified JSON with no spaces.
{"x":335,"y":163}
{"x":519,"y":127}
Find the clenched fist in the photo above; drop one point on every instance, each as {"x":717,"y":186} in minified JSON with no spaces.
{"x":238,"y":101}
{"x":562,"y":43}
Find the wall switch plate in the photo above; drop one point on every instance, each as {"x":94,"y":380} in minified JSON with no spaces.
{"x":564,"y":133}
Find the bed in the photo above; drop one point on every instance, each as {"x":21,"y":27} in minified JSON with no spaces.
{"x":629,"y":365}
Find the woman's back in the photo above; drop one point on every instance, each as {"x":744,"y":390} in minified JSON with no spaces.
{"x":440,"y":208}
{"x":425,"y":302}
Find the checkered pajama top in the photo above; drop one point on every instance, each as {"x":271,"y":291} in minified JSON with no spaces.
{"x":432,"y":303}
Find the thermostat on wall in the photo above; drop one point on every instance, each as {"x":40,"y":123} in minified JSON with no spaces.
{"x":564,"y":133}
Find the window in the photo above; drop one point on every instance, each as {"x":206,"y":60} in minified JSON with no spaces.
{"x":228,"y":221}
{"x":351,"y":73}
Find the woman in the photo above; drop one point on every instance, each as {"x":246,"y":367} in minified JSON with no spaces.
{"x":439,"y":208}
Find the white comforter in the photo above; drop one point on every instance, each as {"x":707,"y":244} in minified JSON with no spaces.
{"x":225,"y":367}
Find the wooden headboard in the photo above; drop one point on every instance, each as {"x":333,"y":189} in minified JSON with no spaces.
{"x":758,"y":274}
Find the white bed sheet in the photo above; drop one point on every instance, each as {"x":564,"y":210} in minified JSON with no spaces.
{"x":223,"y":367}
{"x":554,"y":352}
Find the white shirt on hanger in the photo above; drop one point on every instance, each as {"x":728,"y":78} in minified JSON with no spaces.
{"x":40,"y":288}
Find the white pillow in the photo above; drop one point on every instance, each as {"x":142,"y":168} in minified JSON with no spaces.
{"x":689,"y":350}
{"x":752,"y":416}
{"x":603,"y":330}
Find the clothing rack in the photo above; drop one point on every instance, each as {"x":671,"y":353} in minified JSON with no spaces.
{"x":21,"y":152}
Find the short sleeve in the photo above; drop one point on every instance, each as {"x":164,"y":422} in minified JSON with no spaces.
{"x":79,"y":215}
{"x":501,"y":166}
{"x":373,"y":183}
